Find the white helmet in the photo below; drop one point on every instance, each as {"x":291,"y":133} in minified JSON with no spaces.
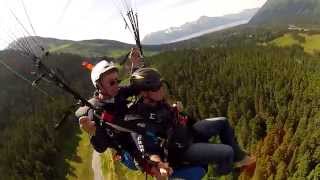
{"x":100,"y":68}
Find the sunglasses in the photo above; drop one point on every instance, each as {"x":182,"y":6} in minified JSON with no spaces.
{"x":114,"y":82}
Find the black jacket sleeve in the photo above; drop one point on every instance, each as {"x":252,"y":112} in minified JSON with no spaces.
{"x":100,"y":141}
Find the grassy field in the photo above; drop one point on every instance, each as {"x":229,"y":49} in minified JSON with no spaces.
{"x":81,"y":164}
{"x":285,"y":40}
{"x":310,"y":43}
{"x":57,"y":48}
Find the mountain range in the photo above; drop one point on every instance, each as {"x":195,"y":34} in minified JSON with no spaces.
{"x":199,"y":27}
{"x":87,"y":48}
{"x":286,"y":12}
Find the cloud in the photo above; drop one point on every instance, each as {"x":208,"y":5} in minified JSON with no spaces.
{"x":182,"y":2}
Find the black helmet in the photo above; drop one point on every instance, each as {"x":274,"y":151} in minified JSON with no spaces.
{"x":146,"y":79}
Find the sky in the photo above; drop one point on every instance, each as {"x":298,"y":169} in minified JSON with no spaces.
{"x":101,"y":19}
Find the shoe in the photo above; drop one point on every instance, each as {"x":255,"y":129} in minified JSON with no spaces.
{"x":246,"y":161}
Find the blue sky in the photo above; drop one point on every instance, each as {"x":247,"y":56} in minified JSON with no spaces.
{"x":92,"y":19}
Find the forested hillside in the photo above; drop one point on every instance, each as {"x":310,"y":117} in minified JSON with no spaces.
{"x":30,"y":147}
{"x":270,"y":95}
{"x":86,"y":48}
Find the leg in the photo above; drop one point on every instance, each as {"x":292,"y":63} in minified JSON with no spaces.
{"x":204,"y":153}
{"x":207,"y":128}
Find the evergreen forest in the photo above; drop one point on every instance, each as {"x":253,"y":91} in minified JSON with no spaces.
{"x":270,"y":95}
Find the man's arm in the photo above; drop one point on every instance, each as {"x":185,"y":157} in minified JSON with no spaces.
{"x":136,"y":59}
{"x":136,"y":63}
{"x":99,"y":138}
{"x":85,"y":117}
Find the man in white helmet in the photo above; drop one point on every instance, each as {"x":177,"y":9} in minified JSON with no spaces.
{"x":111,"y":99}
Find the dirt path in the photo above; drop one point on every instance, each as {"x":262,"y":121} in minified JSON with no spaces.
{"x":96,"y":166}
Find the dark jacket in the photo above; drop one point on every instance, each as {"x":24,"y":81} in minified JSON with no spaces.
{"x":165,"y":135}
{"x":116,"y":108}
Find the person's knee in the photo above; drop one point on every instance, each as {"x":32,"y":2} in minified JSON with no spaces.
{"x":221,"y":122}
{"x":227,"y":152}
{"x":217,"y":119}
